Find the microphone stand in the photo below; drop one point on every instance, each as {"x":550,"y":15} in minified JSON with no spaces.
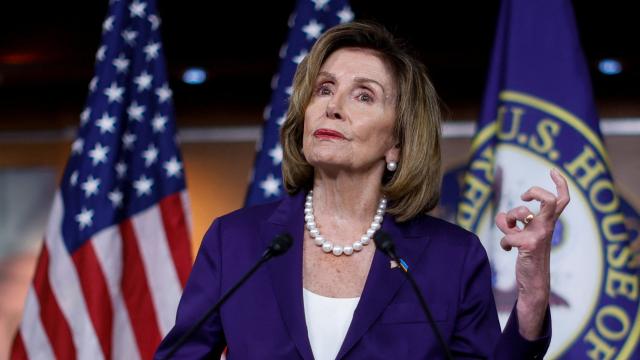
{"x":385,"y":244}
{"x":280,"y":245}
{"x":427,"y":311}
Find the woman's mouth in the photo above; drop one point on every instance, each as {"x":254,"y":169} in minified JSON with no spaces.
{"x":328,"y":134}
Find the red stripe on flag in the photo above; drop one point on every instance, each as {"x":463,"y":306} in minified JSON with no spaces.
{"x":18,"y":351}
{"x":136,"y":293}
{"x":96,"y":294}
{"x":177,"y":230}
{"x":53,"y":321}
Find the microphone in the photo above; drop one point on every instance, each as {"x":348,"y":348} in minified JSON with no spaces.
{"x":384,"y":243}
{"x":279,"y":245}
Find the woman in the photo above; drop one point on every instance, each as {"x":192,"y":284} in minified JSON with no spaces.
{"x":361,"y":152}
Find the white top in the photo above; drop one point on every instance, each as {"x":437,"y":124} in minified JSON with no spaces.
{"x":328,"y":320}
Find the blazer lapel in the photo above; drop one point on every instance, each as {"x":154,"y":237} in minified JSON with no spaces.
{"x":383,"y":282}
{"x":286,"y":270}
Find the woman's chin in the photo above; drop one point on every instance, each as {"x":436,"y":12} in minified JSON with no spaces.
{"x":329,"y":165}
{"x":323,"y":158}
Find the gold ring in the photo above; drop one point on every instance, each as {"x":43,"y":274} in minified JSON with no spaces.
{"x":528,"y":219}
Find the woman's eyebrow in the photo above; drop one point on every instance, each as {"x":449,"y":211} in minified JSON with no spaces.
{"x":359,"y":80}
{"x":324,"y":74}
{"x":362,"y":80}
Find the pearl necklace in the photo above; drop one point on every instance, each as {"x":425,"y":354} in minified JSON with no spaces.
{"x":338,"y":250}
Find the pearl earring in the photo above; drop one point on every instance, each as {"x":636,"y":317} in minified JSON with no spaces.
{"x":392,"y":166}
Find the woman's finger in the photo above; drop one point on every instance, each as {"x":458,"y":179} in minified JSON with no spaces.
{"x":562,"y":189}
{"x":508,"y":242}
{"x":547,"y":200}
{"x":504,"y":225}
{"x":521,"y":213}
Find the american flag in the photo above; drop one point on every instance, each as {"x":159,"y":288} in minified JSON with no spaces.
{"x":116,"y":251}
{"x":309,"y":20}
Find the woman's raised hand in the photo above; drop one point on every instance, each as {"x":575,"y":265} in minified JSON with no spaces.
{"x":533,"y":242}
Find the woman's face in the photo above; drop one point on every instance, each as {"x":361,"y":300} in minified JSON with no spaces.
{"x":348,"y":124}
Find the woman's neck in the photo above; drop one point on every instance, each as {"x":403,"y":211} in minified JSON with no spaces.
{"x":346,"y":197}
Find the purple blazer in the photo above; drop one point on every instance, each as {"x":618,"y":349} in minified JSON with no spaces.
{"x":265,"y":318}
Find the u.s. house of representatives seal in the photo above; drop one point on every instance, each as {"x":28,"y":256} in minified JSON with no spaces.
{"x":594,"y":294}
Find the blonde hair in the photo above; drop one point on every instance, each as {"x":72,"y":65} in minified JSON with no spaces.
{"x":414,"y":188}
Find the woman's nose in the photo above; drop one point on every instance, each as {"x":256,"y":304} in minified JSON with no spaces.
{"x":334,"y":109}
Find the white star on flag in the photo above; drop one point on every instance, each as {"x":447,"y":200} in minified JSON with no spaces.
{"x":137,"y":9}
{"x":143,"y":186}
{"x":313,"y":29}
{"x":121,"y":169}
{"x":121,"y":63}
{"x":151,"y":50}
{"x":73,"y":179}
{"x":100,"y":53}
{"x":270,"y":186}
{"x":173,"y":167}
{"x":107,"y":25}
{"x":281,"y":120}
{"x":158,"y":123}
{"x":320,"y":4}
{"x":155,"y":22}
{"x":135,"y":111}
{"x":106,"y":123}
{"x":76,"y":147}
{"x":128,"y":139}
{"x":345,"y":15}
{"x":90,"y":187}
{"x":84,"y":115}
{"x":164,"y":93}
{"x":143,"y":81}
{"x":84,"y":218}
{"x":114,"y":93}
{"x":129,"y":36}
{"x":276,"y":154}
{"x":150,"y":155}
{"x":274,"y":82}
{"x":98,"y":154}
{"x":298,"y":58}
{"x":289,"y":90}
{"x":93,"y":83}
{"x":116,"y":198}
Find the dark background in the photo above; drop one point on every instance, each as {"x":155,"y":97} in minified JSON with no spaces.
{"x":47,"y":52}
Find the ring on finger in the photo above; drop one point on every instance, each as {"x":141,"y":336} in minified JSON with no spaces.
{"x":528,"y":219}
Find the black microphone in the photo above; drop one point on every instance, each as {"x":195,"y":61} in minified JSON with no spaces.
{"x":279,"y":245}
{"x":384,"y":243}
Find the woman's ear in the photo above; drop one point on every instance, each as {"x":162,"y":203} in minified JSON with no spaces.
{"x":393,"y":154}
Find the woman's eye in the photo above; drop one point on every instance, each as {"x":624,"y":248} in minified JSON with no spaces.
{"x":324,"y":90}
{"x":365,"y":97}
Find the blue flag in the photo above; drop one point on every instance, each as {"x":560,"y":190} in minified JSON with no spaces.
{"x":538,"y":113}
{"x":309,"y":20}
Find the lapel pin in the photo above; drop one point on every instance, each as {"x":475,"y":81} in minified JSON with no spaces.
{"x":403,"y":265}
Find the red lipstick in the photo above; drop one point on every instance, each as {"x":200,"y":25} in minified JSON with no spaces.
{"x":328,"y":134}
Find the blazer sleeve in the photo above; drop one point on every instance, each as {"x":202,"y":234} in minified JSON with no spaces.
{"x":513,"y":346}
{"x":200,"y":293}
{"x":477,"y":329}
